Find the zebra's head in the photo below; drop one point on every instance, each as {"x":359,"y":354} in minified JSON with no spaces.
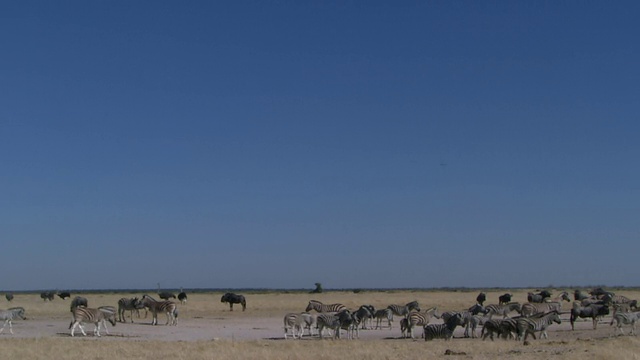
{"x":555,"y":317}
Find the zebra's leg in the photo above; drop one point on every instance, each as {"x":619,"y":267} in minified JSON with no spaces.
{"x":96,"y":328}
{"x":104,"y":322}
{"x":73,"y":328}
{"x":82,"y":329}
{"x":5,"y":324}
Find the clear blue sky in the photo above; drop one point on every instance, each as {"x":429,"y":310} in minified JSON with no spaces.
{"x":354,"y":143}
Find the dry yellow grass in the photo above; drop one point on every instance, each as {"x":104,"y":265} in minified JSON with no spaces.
{"x":561,"y":344}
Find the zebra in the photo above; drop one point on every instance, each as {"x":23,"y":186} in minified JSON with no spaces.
{"x":383,"y":314}
{"x":364,"y":313}
{"x":232,"y":298}
{"x":168,"y":307}
{"x":508,"y":327}
{"x":328,"y":321}
{"x":97,"y":317}
{"x":131,"y":304}
{"x":350,"y":322}
{"x":442,"y":331}
{"x":324,"y":308}
{"x":309,"y":321}
{"x":564,"y":296}
{"x":530,"y":309}
{"x":416,"y":318}
{"x":627,"y":318}
{"x":529,"y":325}
{"x":491,"y":327}
{"x":109,"y":311}
{"x":292,"y":321}
{"x":469,"y":321}
{"x":77,"y":302}
{"x":616,"y":299}
{"x":503,"y":310}
{"x":403,"y":310}
{"x":9,"y":315}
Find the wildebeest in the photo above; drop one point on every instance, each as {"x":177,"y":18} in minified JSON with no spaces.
{"x":481,"y":298}
{"x":504,"y":299}
{"x":232,"y":298}
{"x":165,"y":295}
{"x":64,"y":294}
{"x":47,"y":295}
{"x":593,"y":311}
{"x":539,"y":297}
{"x":77,"y":302}
{"x":182,"y":297}
{"x":9,"y":296}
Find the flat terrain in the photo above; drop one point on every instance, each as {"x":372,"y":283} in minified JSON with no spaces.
{"x":207,"y":329}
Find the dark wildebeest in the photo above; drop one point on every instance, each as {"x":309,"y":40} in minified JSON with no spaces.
{"x":481,"y":298}
{"x":182,"y":297}
{"x":77,"y":302}
{"x":579,"y":295}
{"x":599,"y":292}
{"x":539,"y":297}
{"x":9,"y":296}
{"x":593,"y":311}
{"x":504,"y":299}
{"x":232,"y":298}
{"x":47,"y":295}
{"x":165,"y":295}
{"x":63,"y":295}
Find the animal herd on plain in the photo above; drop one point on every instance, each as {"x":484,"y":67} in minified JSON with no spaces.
{"x":505,"y":320}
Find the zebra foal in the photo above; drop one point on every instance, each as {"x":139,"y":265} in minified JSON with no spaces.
{"x":96,"y":316}
{"x":9,"y":315}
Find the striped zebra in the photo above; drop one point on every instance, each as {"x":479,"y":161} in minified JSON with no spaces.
{"x":328,"y":321}
{"x":416,"y":318}
{"x":365,"y":314}
{"x":309,"y":322}
{"x":529,"y":325}
{"x":109,"y":311}
{"x":442,"y":331}
{"x":381,"y":315}
{"x":350,"y":322}
{"x":293,"y":323}
{"x":83,"y":315}
{"x":403,"y":310}
{"x":168,"y":307}
{"x":469,"y":321}
{"x":503,"y":310}
{"x":626,"y":318}
{"x":509,"y":328}
{"x":9,"y":315}
{"x":490,"y":327}
{"x":530,"y":309}
{"x":616,"y":299}
{"x":324,"y":308}
{"x":131,"y":304}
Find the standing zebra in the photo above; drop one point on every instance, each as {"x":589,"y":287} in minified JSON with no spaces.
{"x":530,"y":325}
{"x":324,"y":308}
{"x":328,"y":321}
{"x":131,"y":304}
{"x":293,"y":322}
{"x":232,"y":298}
{"x":503,"y":310}
{"x":381,"y":315}
{"x":490,"y":327}
{"x":442,"y":331}
{"x":95,"y":316}
{"x":403,"y":310}
{"x":530,"y":309}
{"x":9,"y":315}
{"x":627,"y":318}
{"x":167,"y":307}
{"x":364,"y":314}
{"x":419,"y":319}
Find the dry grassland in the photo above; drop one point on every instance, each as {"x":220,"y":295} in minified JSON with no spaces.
{"x":207,"y":330}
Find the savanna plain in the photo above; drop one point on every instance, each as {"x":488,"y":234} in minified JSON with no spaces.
{"x":208,"y":330}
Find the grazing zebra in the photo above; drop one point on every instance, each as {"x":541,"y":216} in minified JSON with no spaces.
{"x":131,"y":304}
{"x":77,"y":302}
{"x":504,"y":299}
{"x":564,"y":296}
{"x":167,"y":307}
{"x":530,"y":309}
{"x":109,"y":311}
{"x":627,"y":318}
{"x":8,"y":315}
{"x":324,"y":308}
{"x":293,"y":323}
{"x":9,"y":296}
{"x":419,"y":319}
{"x":182,"y":297}
{"x":503,"y":310}
{"x":95,"y":316}
{"x":442,"y":331}
{"x":530,"y":325}
{"x":383,"y":314}
{"x":593,"y":311}
{"x":232,"y":298}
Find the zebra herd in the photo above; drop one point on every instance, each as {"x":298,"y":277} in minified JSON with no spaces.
{"x":506,"y":320}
